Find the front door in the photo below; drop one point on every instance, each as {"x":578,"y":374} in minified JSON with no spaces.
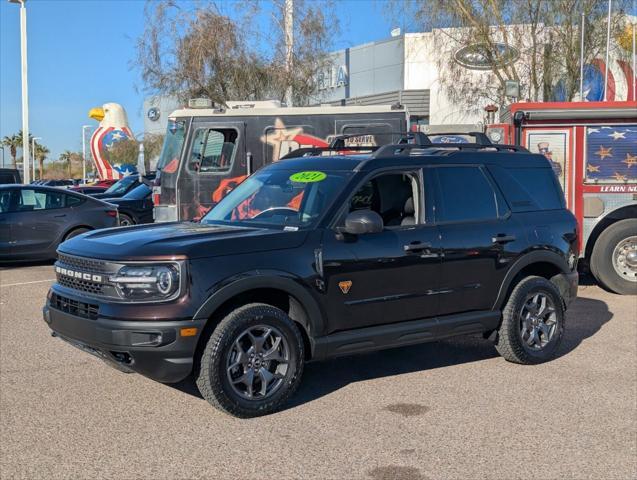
{"x":385,"y":277}
{"x":480,"y":239}
{"x":37,"y":221}
{"x":6,"y":239}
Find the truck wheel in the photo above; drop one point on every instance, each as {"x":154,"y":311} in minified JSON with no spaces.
{"x":614,"y":257}
{"x":532,"y":322}
{"x":252,"y":362}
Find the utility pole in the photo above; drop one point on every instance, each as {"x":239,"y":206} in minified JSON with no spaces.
{"x":610,"y":6}
{"x":581,"y":60}
{"x":26,"y":172}
{"x":288,"y":26}
{"x":84,"y":127}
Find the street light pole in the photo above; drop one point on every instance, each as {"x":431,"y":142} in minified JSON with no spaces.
{"x":33,"y":152}
{"x":25,"y":92}
{"x":84,"y":127}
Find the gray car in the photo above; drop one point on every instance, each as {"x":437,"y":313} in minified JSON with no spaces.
{"x":34,"y":220}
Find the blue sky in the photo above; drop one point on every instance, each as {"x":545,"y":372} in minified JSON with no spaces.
{"x":79,"y":53}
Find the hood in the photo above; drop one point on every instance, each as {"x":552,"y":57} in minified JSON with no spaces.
{"x":175,"y":239}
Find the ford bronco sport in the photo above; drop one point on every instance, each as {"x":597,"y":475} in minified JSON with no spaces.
{"x":323,"y":256}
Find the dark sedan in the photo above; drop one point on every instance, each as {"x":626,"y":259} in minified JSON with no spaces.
{"x":135,"y":207}
{"x":88,"y":189}
{"x":122,"y":187}
{"x":34,"y":220}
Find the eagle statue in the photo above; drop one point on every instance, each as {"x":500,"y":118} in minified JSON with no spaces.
{"x":113,"y":128}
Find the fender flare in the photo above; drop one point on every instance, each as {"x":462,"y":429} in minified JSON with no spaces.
{"x":544,"y":256}
{"x":314,"y":323}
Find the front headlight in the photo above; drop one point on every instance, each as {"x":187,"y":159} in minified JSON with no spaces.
{"x":148,"y":282}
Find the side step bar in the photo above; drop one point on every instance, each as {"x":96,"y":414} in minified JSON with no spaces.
{"x":406,"y":333}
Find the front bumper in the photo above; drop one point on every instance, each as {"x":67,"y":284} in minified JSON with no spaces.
{"x":154,"y":349}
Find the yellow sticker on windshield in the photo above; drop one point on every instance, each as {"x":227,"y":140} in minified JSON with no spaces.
{"x":308,"y":177}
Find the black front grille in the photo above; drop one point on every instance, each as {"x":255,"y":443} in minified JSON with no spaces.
{"x":81,"y":285}
{"x":73,"y":307}
{"x":85,"y":264}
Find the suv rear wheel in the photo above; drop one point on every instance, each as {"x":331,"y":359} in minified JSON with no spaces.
{"x":252,"y":362}
{"x":532,"y":322}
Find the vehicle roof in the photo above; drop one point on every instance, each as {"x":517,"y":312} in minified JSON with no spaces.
{"x":423,"y":157}
{"x":252,"y":112}
{"x":46,"y":188}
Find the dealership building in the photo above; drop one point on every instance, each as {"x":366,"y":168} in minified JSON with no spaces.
{"x":412,"y":69}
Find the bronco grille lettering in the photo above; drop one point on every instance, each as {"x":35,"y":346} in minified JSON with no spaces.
{"x":76,"y":274}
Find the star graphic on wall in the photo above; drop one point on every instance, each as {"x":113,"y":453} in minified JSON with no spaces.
{"x":617,"y":135}
{"x":604,"y":152}
{"x":630,"y":160}
{"x":117,"y":136}
{"x":278,"y":135}
{"x":619,"y":177}
{"x":592,"y":168}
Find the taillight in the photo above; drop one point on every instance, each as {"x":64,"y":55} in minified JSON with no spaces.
{"x":156,"y":188}
{"x":111,"y":213}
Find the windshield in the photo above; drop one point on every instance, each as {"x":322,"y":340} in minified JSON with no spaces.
{"x":274,"y":197}
{"x":122,"y":185}
{"x":171,"y":150}
{"x":138,"y":193}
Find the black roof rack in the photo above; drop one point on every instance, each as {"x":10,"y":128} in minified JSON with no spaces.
{"x":399,"y":149}
{"x":316,"y":151}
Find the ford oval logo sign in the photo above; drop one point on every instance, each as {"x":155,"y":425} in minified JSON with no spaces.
{"x":480,"y":56}
{"x":153,"y":114}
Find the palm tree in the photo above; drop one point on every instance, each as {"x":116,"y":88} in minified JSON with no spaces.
{"x":13,"y":142}
{"x":67,"y":156}
{"x":40,"y":155}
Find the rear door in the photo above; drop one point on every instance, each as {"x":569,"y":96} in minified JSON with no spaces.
{"x":480,"y":239}
{"x":215,"y":155}
{"x":38,"y":221}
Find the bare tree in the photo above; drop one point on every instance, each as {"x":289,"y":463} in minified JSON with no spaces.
{"x":533,"y":42}
{"x":200,"y":51}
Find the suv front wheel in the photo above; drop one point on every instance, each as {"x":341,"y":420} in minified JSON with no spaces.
{"x":252,"y":362}
{"x":532,"y":322}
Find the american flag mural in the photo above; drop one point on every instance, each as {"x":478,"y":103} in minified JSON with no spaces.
{"x":611,"y":154}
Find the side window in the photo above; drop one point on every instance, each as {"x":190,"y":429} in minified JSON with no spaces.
{"x":5,"y":200}
{"x":394,"y":196}
{"x":212,"y":150}
{"x":73,"y":201}
{"x":465,"y":195}
{"x":30,"y":200}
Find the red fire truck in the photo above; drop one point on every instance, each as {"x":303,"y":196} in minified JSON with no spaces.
{"x":592,"y":147}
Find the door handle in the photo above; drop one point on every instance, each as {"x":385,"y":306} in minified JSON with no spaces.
{"x":60,"y":216}
{"x":502,"y":238}
{"x":416,"y":246}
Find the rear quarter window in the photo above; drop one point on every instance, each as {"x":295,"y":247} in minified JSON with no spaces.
{"x":529,"y":189}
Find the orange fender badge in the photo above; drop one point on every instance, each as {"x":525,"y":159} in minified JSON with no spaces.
{"x":345,"y":286}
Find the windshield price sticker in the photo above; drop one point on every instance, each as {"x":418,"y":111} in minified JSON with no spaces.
{"x":308,"y":177}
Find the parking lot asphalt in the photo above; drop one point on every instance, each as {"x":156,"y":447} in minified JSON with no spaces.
{"x":445,"y":410}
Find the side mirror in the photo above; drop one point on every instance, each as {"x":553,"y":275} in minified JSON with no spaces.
{"x":360,"y":222}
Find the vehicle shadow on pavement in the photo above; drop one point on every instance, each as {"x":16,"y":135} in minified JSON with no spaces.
{"x":585,"y":318}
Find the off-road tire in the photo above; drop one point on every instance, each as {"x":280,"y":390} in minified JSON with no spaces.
{"x":509,"y":342}
{"x":75,"y":233}
{"x":601,"y":263}
{"x":210,"y":366}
